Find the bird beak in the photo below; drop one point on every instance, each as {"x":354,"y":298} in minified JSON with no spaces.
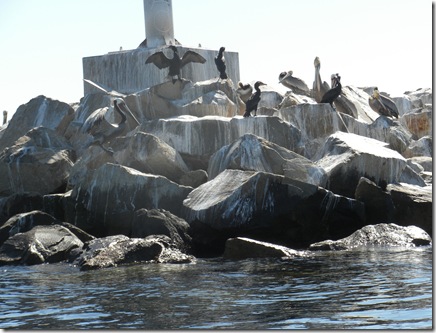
{"x":124,"y":107}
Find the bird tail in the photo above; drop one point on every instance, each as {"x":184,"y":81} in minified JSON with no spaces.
{"x":223,"y":76}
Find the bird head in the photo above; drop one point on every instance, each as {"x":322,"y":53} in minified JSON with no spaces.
{"x":222,"y":49}
{"x":317,"y":62}
{"x":285,"y":75}
{"x":376,"y":93}
{"x":172,"y":47}
{"x":258,"y":84}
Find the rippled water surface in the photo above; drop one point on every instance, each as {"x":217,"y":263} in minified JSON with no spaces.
{"x":371,"y":289}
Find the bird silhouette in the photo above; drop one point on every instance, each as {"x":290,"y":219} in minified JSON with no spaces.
{"x":220,"y":63}
{"x":253,"y":101}
{"x":102,"y":130}
{"x":176,"y":63}
{"x":383,"y":105}
{"x":331,"y":95}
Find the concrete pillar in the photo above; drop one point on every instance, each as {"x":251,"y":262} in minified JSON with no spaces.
{"x":159,"y":27}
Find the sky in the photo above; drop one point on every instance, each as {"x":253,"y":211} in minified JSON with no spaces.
{"x":384,"y":43}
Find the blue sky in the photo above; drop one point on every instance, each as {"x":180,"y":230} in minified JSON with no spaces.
{"x":387,"y":43}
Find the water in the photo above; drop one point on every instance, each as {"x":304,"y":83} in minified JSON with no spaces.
{"x":371,"y":289}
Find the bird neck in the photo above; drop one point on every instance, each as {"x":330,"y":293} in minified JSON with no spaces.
{"x":121,"y":113}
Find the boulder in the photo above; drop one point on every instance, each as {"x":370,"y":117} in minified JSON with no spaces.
{"x":419,"y":122}
{"x":121,"y":250}
{"x":268,"y":207}
{"x":244,"y":248}
{"x":105,"y":201}
{"x":386,"y":235}
{"x":38,"y":112}
{"x":253,"y":153}
{"x":19,"y":203}
{"x":213,"y":103}
{"x":426,"y":162}
{"x":421,"y":147}
{"x":348,"y":157}
{"x":413,"y":205}
{"x":194,"y":178}
{"x":269,"y":98}
{"x":161,"y":222}
{"x":38,"y":162}
{"x":41,"y":244}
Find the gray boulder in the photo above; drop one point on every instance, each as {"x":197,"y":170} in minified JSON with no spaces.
{"x":41,"y":244}
{"x":419,"y":122}
{"x":386,"y":235}
{"x":38,"y":162}
{"x":19,"y":203}
{"x":421,"y":147}
{"x":242,"y":248}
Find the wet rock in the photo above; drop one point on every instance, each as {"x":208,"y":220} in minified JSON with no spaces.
{"x":161,"y":222}
{"x":120,"y":250}
{"x":104,"y":203}
{"x":253,"y":153}
{"x":243,"y":248}
{"x":385,"y":235}
{"x":19,"y":203}
{"x":41,"y":244}
{"x":348,"y":157}
{"x":38,"y":162}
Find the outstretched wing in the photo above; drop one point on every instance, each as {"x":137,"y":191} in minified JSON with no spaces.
{"x":191,"y":56}
{"x":159,"y":59}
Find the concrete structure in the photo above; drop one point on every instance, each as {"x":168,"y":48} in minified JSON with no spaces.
{"x":126,"y":71}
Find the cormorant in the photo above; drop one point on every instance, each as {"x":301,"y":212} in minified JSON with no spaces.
{"x":102,"y":130}
{"x":294,"y":83}
{"x":220,"y":63}
{"x":382,"y":104}
{"x":332,"y":94}
{"x":253,"y":101}
{"x":175,"y":64}
{"x":244,"y":91}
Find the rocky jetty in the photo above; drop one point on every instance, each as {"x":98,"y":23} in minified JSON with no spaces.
{"x":196,"y":178}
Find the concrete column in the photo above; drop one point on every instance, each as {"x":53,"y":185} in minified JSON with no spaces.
{"x":159,"y":27}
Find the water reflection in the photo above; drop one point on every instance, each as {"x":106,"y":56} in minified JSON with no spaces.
{"x":388,"y":288}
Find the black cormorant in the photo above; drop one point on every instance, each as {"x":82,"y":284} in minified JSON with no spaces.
{"x":220,"y":63}
{"x":332,"y":94}
{"x":253,"y":101}
{"x":176,"y":63}
{"x":382,"y":104}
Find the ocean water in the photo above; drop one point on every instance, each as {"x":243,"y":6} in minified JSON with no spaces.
{"x":360,"y":289}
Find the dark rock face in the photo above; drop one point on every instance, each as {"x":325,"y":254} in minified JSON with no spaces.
{"x":19,"y":203}
{"x":378,"y":235}
{"x":41,"y":244}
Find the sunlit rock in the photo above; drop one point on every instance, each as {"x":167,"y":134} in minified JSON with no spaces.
{"x":253,"y":153}
{"x":39,"y":161}
{"x":38,"y":112}
{"x":347,"y":157}
{"x":379,"y":235}
{"x":419,"y":122}
{"x":421,"y":147}
{"x":104,"y":202}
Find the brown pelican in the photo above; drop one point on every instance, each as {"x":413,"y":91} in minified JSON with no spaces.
{"x":102,"y":130}
{"x":382,"y":104}
{"x":253,"y":101}
{"x":244,"y":91}
{"x":319,"y":87}
{"x":220,"y":63}
{"x":295,"y":84}
{"x":175,"y":64}
{"x":332,"y":94}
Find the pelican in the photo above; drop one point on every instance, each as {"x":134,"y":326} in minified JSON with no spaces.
{"x":319,"y":87}
{"x":102,"y":130}
{"x":332,"y":94}
{"x":383,"y":105}
{"x":220,"y":63}
{"x":295,"y":84}
{"x":244,"y":91}
{"x":253,"y":101}
{"x":175,"y":64}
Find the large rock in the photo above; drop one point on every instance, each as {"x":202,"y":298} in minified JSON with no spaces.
{"x":243,"y":248}
{"x":19,"y":203}
{"x":421,"y":147}
{"x":419,"y":122}
{"x":253,"y":153}
{"x":348,"y":157}
{"x":40,"y":244}
{"x":120,"y":250}
{"x":38,"y":112}
{"x":105,"y":201}
{"x":386,"y":235}
{"x":38,"y":162}
{"x":268,"y":207}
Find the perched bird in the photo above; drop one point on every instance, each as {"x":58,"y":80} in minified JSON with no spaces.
{"x":294,"y":83}
{"x":220,"y":63}
{"x":102,"y":130}
{"x":382,"y":104}
{"x":319,"y":88}
{"x":244,"y":91}
{"x":175,"y":64}
{"x":253,"y":101}
{"x":332,"y":94}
